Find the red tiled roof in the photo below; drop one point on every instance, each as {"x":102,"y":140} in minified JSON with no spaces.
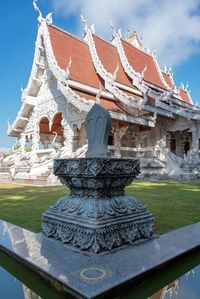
{"x":168,"y":79}
{"x":108,"y":104}
{"x":112,"y":106}
{"x":82,"y":69}
{"x":109,"y":57}
{"x":185,"y":96}
{"x":138,"y":59}
{"x":65,"y":46}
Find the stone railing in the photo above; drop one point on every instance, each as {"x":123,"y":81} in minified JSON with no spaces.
{"x":146,"y":152}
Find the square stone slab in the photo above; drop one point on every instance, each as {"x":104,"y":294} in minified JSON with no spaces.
{"x":86,"y":275}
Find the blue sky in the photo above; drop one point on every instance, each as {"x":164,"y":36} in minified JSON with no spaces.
{"x":178,"y":45}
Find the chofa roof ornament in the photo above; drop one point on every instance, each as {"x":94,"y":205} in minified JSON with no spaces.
{"x":68,"y":68}
{"x":40,"y":17}
{"x":115,"y":33}
{"x":48,"y":18}
{"x":84,"y":21}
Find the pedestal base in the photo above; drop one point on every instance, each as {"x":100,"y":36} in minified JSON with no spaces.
{"x":97,"y":224}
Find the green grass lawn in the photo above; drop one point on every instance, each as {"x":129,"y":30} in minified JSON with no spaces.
{"x":174,"y":204}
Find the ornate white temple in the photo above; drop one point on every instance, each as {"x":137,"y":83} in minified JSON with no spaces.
{"x":151,"y":117}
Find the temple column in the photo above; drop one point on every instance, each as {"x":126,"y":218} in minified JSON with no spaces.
{"x":22,"y":142}
{"x":68,"y":134}
{"x":138,"y":146}
{"x":179,"y":144}
{"x":117,"y":141}
{"x":195,"y":140}
{"x":75,"y":137}
{"x":36,"y":138}
{"x":45,"y":143}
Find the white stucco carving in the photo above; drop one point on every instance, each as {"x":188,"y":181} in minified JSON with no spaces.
{"x":140,"y":131}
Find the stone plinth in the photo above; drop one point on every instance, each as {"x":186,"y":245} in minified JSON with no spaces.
{"x":97,"y":215}
{"x":112,"y":275}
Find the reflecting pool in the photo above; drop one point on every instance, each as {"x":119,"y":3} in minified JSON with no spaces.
{"x":10,"y":287}
{"x":22,"y":284}
{"x":185,"y":287}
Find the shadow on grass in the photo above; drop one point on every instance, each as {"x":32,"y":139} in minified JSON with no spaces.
{"x":24,"y":205}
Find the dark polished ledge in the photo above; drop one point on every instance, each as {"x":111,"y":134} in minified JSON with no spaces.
{"x":85,"y":275}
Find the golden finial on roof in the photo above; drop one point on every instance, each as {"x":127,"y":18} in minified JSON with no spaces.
{"x":134,"y":40}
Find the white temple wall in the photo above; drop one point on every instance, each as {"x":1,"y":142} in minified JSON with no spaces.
{"x":82,"y":136}
{"x":50,"y":102}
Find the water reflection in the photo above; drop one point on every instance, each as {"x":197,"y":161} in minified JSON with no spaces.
{"x":11,"y":288}
{"x":168,"y":291}
{"x":29,"y":294}
{"x":185,"y":287}
{"x":36,"y":249}
{"x":21,"y":240}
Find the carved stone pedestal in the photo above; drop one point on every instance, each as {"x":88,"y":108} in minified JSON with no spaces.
{"x":97,"y":215}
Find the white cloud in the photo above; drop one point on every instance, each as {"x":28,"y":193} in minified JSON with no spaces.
{"x":172,"y":26}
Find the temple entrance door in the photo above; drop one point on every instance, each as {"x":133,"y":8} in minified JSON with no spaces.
{"x":173,"y":145}
{"x":186,"y":147}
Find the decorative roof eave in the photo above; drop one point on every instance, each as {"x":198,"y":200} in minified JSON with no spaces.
{"x":27,"y":99}
{"x":180,"y":102}
{"x":33,"y":79}
{"x":36,"y":64}
{"x":176,"y":90}
{"x":159,"y":111}
{"x":185,"y":89}
{"x":160,"y":73}
{"x":132,"y":74}
{"x":170,"y":74}
{"x":168,"y":97}
{"x":171,"y":98}
{"x":13,"y":128}
{"x":133,"y":119}
{"x":85,"y":105}
{"x":191,"y":101}
{"x":63,"y":82}
{"x":109,"y":78}
{"x":137,"y":78}
{"x":178,"y":111}
{"x":71,"y":96}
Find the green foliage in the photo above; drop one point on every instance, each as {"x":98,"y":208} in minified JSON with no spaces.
{"x":174,"y":204}
{"x":17,"y":146}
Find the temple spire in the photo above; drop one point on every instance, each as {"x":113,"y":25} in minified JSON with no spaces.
{"x":134,"y":40}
